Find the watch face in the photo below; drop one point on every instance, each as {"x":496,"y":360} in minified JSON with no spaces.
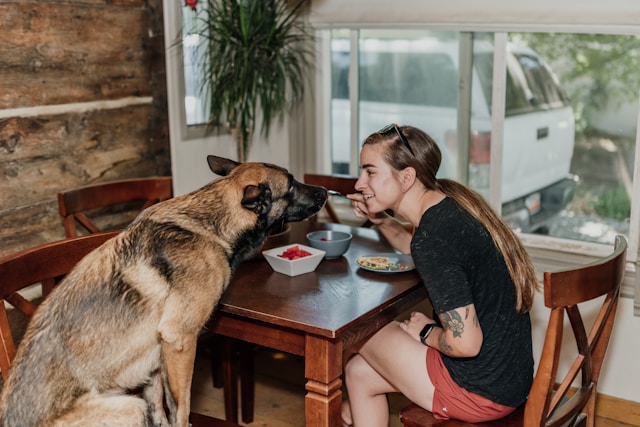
{"x":426,"y":331}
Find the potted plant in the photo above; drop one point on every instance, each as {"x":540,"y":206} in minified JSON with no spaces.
{"x":257,"y":55}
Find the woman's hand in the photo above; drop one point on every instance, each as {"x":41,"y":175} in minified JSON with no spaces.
{"x":414,"y":324}
{"x":361,"y":210}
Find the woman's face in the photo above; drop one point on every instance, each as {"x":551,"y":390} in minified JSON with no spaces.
{"x":378,"y":181}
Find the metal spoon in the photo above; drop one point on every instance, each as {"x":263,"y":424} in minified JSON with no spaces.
{"x":339,"y":194}
{"x":336,"y":193}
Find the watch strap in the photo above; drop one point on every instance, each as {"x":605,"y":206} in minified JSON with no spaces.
{"x":426,"y":331}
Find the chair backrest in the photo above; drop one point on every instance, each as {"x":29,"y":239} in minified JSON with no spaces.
{"x":75,"y":203}
{"x":43,"y":265}
{"x":342,"y":183}
{"x":552,"y":400}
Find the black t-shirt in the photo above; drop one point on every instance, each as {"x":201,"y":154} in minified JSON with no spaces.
{"x":460,"y":265}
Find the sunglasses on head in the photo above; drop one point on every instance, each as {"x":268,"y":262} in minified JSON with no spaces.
{"x":400,"y":134}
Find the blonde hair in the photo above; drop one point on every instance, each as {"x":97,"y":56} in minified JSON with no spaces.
{"x":425,"y":159}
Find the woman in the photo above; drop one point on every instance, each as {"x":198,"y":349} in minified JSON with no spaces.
{"x":474,"y":362}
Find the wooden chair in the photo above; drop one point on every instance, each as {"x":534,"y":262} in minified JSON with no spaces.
{"x":45,"y":266}
{"x":344,"y":184}
{"x":75,"y":204}
{"x":553,"y":401}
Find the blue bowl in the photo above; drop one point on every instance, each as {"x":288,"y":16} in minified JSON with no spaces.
{"x":333,"y":243}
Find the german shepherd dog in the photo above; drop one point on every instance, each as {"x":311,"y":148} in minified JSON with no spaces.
{"x":114,"y":344}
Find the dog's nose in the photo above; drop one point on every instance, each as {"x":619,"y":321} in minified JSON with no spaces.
{"x":323,"y":193}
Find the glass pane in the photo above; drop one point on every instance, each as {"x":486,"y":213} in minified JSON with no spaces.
{"x":340,"y":106}
{"x":596,"y":76}
{"x":410,"y":77}
{"x":194,"y":60}
{"x":539,"y":134}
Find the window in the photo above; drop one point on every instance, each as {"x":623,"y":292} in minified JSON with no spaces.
{"x":564,"y":173}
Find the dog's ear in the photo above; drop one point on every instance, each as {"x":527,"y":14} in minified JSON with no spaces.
{"x":257,"y":198}
{"x":220,"y":165}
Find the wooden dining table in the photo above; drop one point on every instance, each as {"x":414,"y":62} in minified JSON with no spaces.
{"x":324,"y":316}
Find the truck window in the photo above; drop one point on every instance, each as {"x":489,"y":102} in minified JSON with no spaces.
{"x":543,"y":84}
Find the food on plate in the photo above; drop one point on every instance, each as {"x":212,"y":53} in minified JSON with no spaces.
{"x":375,"y":262}
{"x":381,"y":263}
{"x":294,"y":252}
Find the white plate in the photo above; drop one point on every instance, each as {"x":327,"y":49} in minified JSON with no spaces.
{"x":398,"y":263}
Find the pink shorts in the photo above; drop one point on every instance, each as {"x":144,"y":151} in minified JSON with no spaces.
{"x":452,"y":401}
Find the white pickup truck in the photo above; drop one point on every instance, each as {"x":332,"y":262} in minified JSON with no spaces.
{"x":416,"y":84}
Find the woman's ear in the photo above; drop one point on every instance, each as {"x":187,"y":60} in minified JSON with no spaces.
{"x":407,"y":178}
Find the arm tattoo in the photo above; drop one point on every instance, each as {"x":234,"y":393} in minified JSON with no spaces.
{"x":451,"y":320}
{"x":442,"y":344}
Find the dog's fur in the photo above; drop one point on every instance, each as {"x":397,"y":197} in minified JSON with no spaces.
{"x":115,"y":343}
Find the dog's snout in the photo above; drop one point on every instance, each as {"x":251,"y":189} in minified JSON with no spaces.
{"x":321,"y":196}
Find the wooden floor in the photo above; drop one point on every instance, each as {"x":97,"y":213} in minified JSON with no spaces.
{"x":280,"y":394}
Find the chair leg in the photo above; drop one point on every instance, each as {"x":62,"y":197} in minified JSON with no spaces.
{"x":216,"y":347}
{"x":230,"y":379}
{"x":247,"y":380}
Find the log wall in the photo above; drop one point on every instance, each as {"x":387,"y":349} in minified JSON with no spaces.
{"x":82,"y":100}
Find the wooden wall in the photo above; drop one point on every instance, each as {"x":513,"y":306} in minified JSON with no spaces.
{"x":82,"y":100}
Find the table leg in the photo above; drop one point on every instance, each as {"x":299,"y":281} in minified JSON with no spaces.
{"x":323,"y":370}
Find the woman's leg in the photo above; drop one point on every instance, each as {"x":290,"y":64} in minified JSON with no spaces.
{"x":390,"y":361}
{"x":367,"y":394}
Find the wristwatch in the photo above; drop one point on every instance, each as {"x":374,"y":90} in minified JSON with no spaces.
{"x":426,"y":331}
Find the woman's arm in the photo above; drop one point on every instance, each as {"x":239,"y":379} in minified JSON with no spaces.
{"x":397,"y":234}
{"x":460,"y":335}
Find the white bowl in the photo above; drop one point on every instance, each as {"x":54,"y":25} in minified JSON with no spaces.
{"x":297,"y":266}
